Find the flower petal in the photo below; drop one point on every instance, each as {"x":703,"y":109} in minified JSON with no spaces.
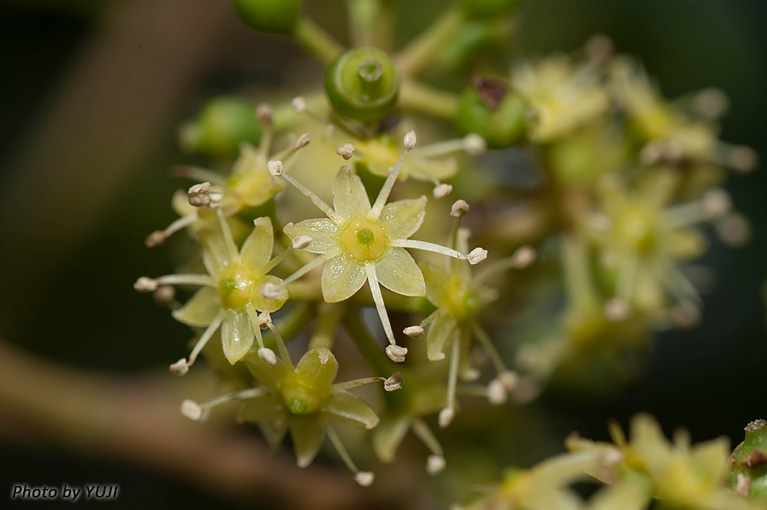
{"x":317,"y":369}
{"x":342,"y":277}
{"x":349,"y":197}
{"x":322,"y":231}
{"x":263,"y":408}
{"x":437,"y":284}
{"x":440,"y":332}
{"x":343,"y":407}
{"x":257,"y":248}
{"x":398,"y":272}
{"x":388,"y":435}
{"x":236,"y":335}
{"x":215,"y":256}
{"x":201,"y":309}
{"x":263,"y":304}
{"x":402,"y":218}
{"x":307,"y":439}
{"x":685,"y":244}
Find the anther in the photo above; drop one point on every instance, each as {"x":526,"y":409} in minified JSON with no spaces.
{"x":301,"y":242}
{"x":181,"y":367}
{"x":364,"y":478}
{"x":474,"y":144}
{"x":476,"y":256}
{"x":617,"y":310}
{"x":459,"y":208}
{"x":264,"y":114}
{"x":496,"y":392}
{"x":275,"y":167}
{"x":523,"y":257}
{"x":299,"y":104}
{"x":509,"y":379}
{"x":613,"y":457}
{"x":599,"y":47}
{"x":156,"y":238}
{"x":346,"y":151}
{"x":267,"y":356}
{"x":198,"y":195}
{"x":165,"y":295}
{"x":435,"y":464}
{"x":716,"y":202}
{"x":264,"y":320}
{"x":413,"y":331}
{"x":269,"y":291}
{"x":442,"y":190}
{"x":396,"y":353}
{"x":192,"y":410}
{"x":743,"y":159}
{"x":302,"y":141}
{"x":394,"y":382}
{"x":446,"y":417}
{"x":145,"y":284}
{"x":410,"y":139}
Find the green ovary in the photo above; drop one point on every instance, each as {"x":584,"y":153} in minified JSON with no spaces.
{"x":300,"y":399}
{"x":236,"y":287}
{"x":363,"y":239}
{"x":637,"y":229}
{"x":461,"y":301}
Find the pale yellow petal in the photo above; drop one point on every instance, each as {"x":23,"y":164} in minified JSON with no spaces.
{"x":263,"y":408}
{"x":343,"y":407}
{"x":388,"y":435}
{"x":342,"y":277}
{"x":201,"y":309}
{"x":437,"y":284}
{"x":398,"y":272}
{"x":307,"y":438}
{"x":401,"y":219}
{"x":317,"y":369}
{"x":349,"y":197}
{"x":440,"y":332}
{"x":257,"y":248}
{"x":215,"y":255}
{"x":236,"y":335}
{"x":685,"y":244}
{"x":323,"y":233}
{"x":263,"y":304}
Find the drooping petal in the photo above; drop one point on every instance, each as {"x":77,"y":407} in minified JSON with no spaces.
{"x":257,"y":248}
{"x":398,"y":272}
{"x":440,"y":332}
{"x":215,"y":256}
{"x":437,"y":284}
{"x":402,"y":218}
{"x":349,"y":197}
{"x":236,"y":335}
{"x":263,"y":304}
{"x":344,"y":407}
{"x":201,"y":309}
{"x":263,"y":408}
{"x":342,"y":277}
{"x":322,"y":232}
{"x":307,"y":438}
{"x":388,"y":435}
{"x":317,"y":369}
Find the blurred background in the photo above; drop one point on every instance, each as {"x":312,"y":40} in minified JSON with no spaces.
{"x":92,"y":93}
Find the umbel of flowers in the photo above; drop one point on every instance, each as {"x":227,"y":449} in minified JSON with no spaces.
{"x":628,"y":181}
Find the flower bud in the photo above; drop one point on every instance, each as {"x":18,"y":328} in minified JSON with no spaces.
{"x":493,"y":111}
{"x":221,"y":126}
{"x":748,"y":462}
{"x":273,"y":16}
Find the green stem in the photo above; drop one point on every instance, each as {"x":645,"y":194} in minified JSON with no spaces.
{"x":328,"y":318}
{"x":304,"y":291}
{"x":415,"y":97}
{"x":370,"y":23}
{"x":578,"y":284}
{"x":316,"y":41}
{"x":292,"y":324}
{"x":365,"y":342}
{"x":419,"y":54}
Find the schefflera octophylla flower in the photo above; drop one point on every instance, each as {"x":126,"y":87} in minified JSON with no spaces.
{"x":231,"y":296}
{"x":302,"y":400}
{"x":358,"y":242}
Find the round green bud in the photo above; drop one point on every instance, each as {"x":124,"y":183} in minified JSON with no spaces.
{"x":273,"y":16}
{"x":492,"y":110}
{"x":221,"y":126}
{"x":362,"y":84}
{"x":484,"y":9}
{"x":748,"y":462}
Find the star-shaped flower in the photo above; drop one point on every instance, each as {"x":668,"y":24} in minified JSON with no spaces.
{"x":230,"y":296}
{"x":359,"y":242}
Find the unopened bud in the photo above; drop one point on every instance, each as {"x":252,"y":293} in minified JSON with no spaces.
{"x":267,"y":356}
{"x":156,"y":238}
{"x":435,"y":464}
{"x":476,"y":256}
{"x":301,"y":242}
{"x":410,"y":139}
{"x":413,"y":331}
{"x":275,"y":167}
{"x":181,"y":367}
{"x":192,"y":410}
{"x":396,"y":353}
{"x":145,"y":284}
{"x":394,"y":382}
{"x":346,"y":151}
{"x":302,"y":141}
{"x":446,"y":417}
{"x":364,"y":478}
{"x":442,"y":190}
{"x":459,"y":208}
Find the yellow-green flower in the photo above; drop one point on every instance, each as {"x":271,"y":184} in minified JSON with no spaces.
{"x":358,"y":242}
{"x":230,"y":296}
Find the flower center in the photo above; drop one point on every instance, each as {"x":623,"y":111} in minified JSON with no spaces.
{"x":236,"y":287}
{"x":637,"y":228}
{"x":462,"y":303}
{"x":300,"y":400}
{"x":363,"y":239}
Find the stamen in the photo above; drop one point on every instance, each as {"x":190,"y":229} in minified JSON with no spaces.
{"x":394,"y":382}
{"x":200,"y":412}
{"x":198,"y":194}
{"x":284,"y":354}
{"x":413,"y":331}
{"x":301,"y":242}
{"x":476,"y":256}
{"x":264,"y":114}
{"x":459,"y":208}
{"x":158,"y":237}
{"x":356,"y":383}
{"x":435,"y":463}
{"x":492,"y":353}
{"x":269,"y":291}
{"x":496,"y":392}
{"x":302,"y":141}
{"x":396,"y":353}
{"x":145,"y":284}
{"x":430,"y":318}
{"x":426,"y":246}
{"x":309,"y":266}
{"x":206,"y":335}
{"x":363,"y":478}
{"x":375,"y":290}
{"x":299,"y":104}
{"x":231,"y":248}
{"x":447,"y":414}
{"x":627,"y":272}
{"x":441,"y":190}
{"x":520,"y":259}
{"x":383,"y":195}
{"x":346,"y":151}
{"x":317,"y":201}
{"x":267,"y":356}
{"x":165,"y":296}
{"x":617,"y":310}
{"x":733,"y":229}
